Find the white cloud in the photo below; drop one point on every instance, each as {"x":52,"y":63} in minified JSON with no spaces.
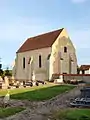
{"x":79,"y":1}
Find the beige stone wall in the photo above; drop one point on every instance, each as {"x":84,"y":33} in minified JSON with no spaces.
{"x":32,"y":71}
{"x":87,"y":71}
{"x":65,"y":65}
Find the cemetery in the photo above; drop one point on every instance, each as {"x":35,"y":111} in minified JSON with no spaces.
{"x":10,"y":83}
{"x":24,"y":98}
{"x":30,"y":97}
{"x":19,"y":96}
{"x":16,"y":97}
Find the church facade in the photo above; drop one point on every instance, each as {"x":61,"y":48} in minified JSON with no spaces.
{"x":42,"y":56}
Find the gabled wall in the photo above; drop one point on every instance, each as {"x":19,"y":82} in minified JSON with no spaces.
{"x":57,"y":65}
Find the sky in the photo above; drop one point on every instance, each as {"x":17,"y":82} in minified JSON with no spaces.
{"x":21,"y":19}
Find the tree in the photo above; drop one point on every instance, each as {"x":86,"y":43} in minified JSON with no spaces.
{"x":78,"y":70}
{"x":1,"y":71}
{"x":8,"y":72}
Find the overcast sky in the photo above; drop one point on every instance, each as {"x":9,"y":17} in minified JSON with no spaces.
{"x":20,"y":19}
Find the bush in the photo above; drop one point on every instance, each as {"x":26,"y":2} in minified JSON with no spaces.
{"x":37,"y":84}
{"x":68,"y":81}
{"x":1,"y":72}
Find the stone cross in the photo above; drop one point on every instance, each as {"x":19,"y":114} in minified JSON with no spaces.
{"x":6,"y":99}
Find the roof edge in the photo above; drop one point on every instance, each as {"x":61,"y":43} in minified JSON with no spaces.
{"x":38,"y":36}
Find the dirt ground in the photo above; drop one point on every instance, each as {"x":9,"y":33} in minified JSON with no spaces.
{"x":43,"y":110}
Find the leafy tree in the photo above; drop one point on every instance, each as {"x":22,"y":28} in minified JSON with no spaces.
{"x":1,"y":71}
{"x":8,"y":72}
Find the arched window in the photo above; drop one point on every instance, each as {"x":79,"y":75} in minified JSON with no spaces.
{"x":40,"y":64}
{"x":23,"y":62}
{"x":65,"y":49}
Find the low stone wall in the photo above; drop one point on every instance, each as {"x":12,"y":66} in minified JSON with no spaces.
{"x":83,"y":77}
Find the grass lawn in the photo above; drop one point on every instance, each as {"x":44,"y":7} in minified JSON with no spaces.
{"x":6,"y":112}
{"x":38,"y":93}
{"x":22,"y":90}
{"x":73,"y":114}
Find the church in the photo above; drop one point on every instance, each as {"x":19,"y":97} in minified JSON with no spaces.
{"x":42,"y":56}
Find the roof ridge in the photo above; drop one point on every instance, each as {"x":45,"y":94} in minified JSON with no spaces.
{"x":45,"y":33}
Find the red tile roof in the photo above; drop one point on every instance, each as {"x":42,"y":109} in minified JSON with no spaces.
{"x":84,"y":67}
{"x":40,"y":41}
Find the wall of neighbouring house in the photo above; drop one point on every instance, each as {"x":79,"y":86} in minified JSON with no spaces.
{"x":63,"y":66}
{"x":32,"y":71}
{"x":86,"y":71}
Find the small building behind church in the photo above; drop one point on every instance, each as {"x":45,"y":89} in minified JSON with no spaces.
{"x":85,"y":69}
{"x":42,"y":56}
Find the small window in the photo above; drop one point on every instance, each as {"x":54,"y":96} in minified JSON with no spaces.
{"x":24,"y":63}
{"x":48,"y":57}
{"x":29,"y":60}
{"x":65,"y":49}
{"x":39,"y":61}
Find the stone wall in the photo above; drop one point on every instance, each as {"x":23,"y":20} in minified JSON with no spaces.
{"x":60,"y":61}
{"x":83,"y":77}
{"x":32,"y":71}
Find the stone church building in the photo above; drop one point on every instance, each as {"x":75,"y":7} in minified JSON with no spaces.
{"x":42,"y":56}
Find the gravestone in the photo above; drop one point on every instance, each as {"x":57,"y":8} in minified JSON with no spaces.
{"x":1,"y":79}
{"x":6,"y":82}
{"x":85,"y":91}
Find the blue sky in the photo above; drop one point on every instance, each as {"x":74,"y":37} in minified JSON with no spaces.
{"x":20,"y":19}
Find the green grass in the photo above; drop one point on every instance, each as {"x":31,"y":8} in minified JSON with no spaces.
{"x":22,"y":90}
{"x":42,"y":93}
{"x":73,"y":114}
{"x":6,"y":112}
{"x":38,"y":93}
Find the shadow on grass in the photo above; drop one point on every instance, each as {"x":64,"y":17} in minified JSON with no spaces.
{"x":6,"y":112}
{"x":42,"y":93}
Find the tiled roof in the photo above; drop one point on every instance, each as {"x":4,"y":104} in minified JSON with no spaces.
{"x":40,"y":41}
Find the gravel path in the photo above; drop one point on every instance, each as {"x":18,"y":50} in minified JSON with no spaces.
{"x":43,"y":110}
